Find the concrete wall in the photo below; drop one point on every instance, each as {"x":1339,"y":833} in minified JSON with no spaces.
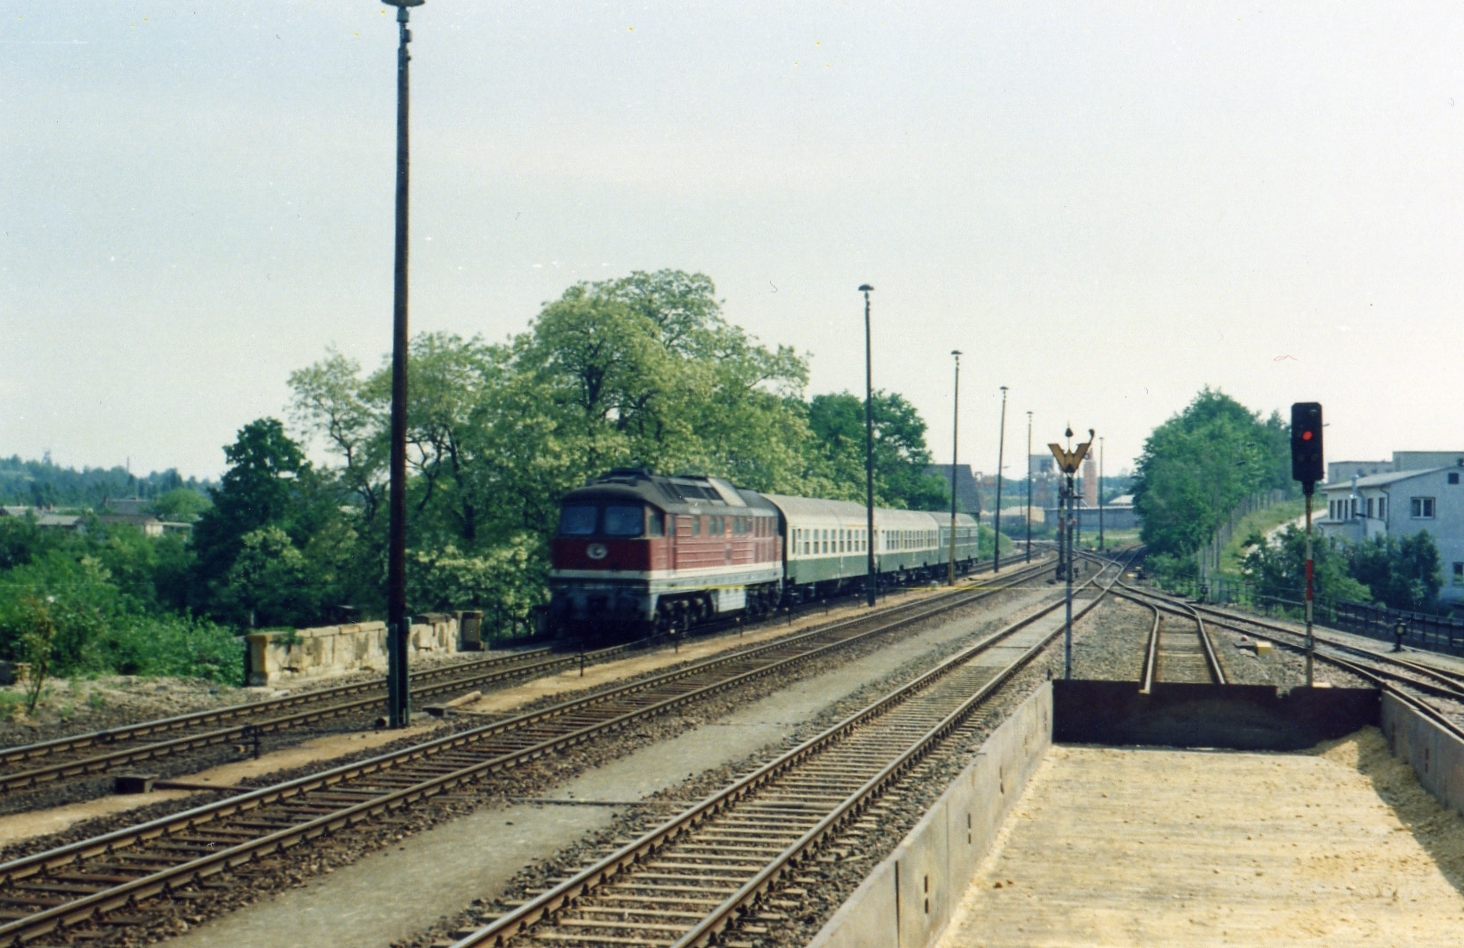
{"x":1435,"y":755}
{"x":908,"y":899}
{"x":340,"y":649}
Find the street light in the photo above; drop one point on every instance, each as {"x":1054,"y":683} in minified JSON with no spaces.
{"x":1000,"y":455}
{"x":955,"y":431}
{"x":870,"y":577}
{"x":1100,"y":495}
{"x":1029,"y":487}
{"x":398,"y":695}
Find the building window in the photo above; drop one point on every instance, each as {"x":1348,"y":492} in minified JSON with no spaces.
{"x":1369,"y":508}
{"x":1382,"y":508}
{"x":1453,"y":477}
{"x":1421,"y":508}
{"x":1459,"y":574}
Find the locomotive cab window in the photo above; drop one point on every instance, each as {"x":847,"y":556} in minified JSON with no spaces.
{"x":622,"y":521}
{"x":654,"y":522}
{"x":577,"y":521}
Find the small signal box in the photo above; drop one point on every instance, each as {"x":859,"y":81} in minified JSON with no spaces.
{"x":1306,"y":444}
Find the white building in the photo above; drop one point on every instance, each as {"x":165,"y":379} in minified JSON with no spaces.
{"x":1402,"y":503}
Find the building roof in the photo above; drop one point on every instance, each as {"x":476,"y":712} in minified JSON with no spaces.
{"x":1381,"y":480}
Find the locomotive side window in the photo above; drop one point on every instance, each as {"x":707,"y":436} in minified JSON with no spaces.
{"x":696,"y":526}
{"x":577,"y":521}
{"x":623,"y":521}
{"x":655,"y":522}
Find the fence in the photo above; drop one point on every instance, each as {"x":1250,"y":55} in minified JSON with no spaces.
{"x":1420,"y":630}
{"x":1208,"y":556}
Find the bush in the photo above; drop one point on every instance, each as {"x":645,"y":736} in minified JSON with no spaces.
{"x":176,"y":645}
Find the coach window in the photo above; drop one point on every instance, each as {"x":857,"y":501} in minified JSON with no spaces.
{"x":577,"y":521}
{"x":624,"y":521}
{"x":1421,"y":508}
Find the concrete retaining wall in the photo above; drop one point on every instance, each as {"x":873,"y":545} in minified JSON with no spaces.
{"x":340,"y":649}
{"x":908,"y":899}
{"x":1435,"y":755}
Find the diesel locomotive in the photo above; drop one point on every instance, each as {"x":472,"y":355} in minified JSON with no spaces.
{"x":637,"y":552}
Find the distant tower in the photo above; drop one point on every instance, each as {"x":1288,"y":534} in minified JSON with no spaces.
{"x":1090,"y":482}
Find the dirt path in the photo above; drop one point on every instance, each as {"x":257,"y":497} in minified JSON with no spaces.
{"x":1120,"y":846}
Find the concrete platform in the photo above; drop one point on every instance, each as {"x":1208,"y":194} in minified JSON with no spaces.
{"x":1126,"y":846}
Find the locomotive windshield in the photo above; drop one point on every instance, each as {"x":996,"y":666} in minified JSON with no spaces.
{"x":624,"y":521}
{"x":577,"y":521}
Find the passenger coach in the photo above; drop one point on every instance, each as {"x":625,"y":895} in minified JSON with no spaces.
{"x":637,"y":552}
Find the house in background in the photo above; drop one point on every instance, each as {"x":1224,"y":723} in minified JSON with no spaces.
{"x":1404,"y":502}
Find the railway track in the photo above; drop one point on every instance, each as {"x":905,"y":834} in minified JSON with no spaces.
{"x":720,"y":869}
{"x":1179,"y":654}
{"x":1433,"y":692}
{"x":86,"y":880}
{"x":32,"y":766}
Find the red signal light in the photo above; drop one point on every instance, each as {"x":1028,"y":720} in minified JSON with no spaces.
{"x":1306,"y":436}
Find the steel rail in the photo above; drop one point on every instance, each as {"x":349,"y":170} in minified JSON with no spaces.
{"x":10,"y":755}
{"x":1151,"y":654}
{"x":1441,"y":684}
{"x":1207,"y":644}
{"x":320,"y":711}
{"x":463,"y":675}
{"x":377,"y":801}
{"x":608,"y":870}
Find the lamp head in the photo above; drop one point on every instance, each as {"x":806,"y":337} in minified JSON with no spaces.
{"x":956,"y":352}
{"x":404,"y":3}
{"x":866,"y":288}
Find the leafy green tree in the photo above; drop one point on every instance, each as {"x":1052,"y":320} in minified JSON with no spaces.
{"x":1201,"y":463}
{"x":507,"y":581}
{"x":1400,"y":572}
{"x":179,"y":505}
{"x":836,"y":452}
{"x":1278,"y":568}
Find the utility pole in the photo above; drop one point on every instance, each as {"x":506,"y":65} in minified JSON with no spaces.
{"x":1100,"y":495}
{"x":1000,"y":458}
{"x":1029,"y":487}
{"x":398,"y":694}
{"x":871,"y":577}
{"x":955,"y":431}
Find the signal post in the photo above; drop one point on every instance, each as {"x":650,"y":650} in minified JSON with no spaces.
{"x":1067,"y":462}
{"x":1306,"y":466}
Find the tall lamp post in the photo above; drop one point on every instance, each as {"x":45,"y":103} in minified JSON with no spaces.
{"x":1100,"y":495}
{"x":955,"y":440}
{"x":398,"y":695}
{"x":1000,"y":456}
{"x":1029,"y":487}
{"x":871,"y":576}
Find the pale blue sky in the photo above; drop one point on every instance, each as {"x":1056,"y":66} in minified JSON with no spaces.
{"x":1105,"y":205}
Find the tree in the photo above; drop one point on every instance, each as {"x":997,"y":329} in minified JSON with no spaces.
{"x":1278,"y":568}
{"x":1400,"y":572}
{"x":1200,"y":464}
{"x":271,"y":485}
{"x":836,"y":452}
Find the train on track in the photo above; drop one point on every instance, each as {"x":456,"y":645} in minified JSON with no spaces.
{"x":638,"y":553}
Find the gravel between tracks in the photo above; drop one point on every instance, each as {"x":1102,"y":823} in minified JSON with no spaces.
{"x":256,"y":881}
{"x":1108,"y":643}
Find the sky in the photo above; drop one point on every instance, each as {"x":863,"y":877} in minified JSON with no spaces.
{"x":1105,"y":206}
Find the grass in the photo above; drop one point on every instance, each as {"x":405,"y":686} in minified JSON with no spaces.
{"x":1262,"y":522}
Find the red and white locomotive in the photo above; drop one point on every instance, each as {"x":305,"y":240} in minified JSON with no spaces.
{"x":637,"y":552}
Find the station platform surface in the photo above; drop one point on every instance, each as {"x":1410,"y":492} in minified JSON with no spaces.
{"x":1338,"y":845}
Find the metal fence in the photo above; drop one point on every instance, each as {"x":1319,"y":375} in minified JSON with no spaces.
{"x":1420,"y":630}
